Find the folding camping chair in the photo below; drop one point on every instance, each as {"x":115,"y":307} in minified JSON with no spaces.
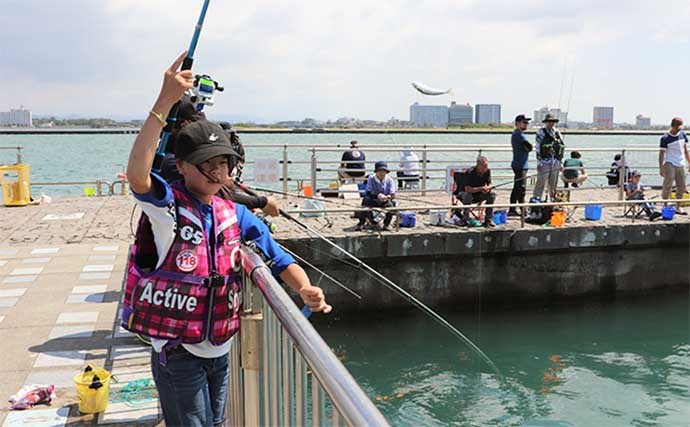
{"x":563,"y":196}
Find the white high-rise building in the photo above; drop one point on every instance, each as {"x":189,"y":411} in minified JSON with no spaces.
{"x":16,"y":117}
{"x":642,"y":122}
{"x":487,"y":113}
{"x":459,"y":114}
{"x":429,"y":115}
{"x":539,"y":115}
{"x":603,"y":118}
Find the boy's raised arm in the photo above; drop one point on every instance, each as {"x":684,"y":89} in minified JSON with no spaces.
{"x":144,"y":150}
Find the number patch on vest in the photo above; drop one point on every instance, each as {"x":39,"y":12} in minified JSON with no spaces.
{"x":186,"y":261}
{"x":188,"y":234}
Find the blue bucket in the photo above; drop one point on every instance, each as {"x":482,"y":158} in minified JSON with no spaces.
{"x":593,"y":212}
{"x":408,"y":219}
{"x":500,"y":217}
{"x":668,"y":212}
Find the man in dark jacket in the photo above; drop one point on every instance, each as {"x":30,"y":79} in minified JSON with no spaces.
{"x":521,"y":149}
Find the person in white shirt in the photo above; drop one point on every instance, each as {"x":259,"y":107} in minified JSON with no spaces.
{"x":673,"y":160}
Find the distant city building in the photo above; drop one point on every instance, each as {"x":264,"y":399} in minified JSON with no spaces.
{"x":603,"y":118}
{"x":487,"y":113}
{"x":642,"y":122}
{"x":459,"y":114}
{"x":430,"y":115}
{"x":16,"y":117}
{"x":542,"y":112}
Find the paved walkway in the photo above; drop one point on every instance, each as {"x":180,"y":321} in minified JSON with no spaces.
{"x":58,"y":305}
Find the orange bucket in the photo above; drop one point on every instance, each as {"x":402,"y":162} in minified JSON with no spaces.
{"x":307,"y":191}
{"x":558,"y":219}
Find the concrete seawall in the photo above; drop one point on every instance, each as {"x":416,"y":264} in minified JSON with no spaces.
{"x":506,"y":267}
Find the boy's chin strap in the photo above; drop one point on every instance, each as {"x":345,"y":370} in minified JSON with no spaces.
{"x":214,"y":180}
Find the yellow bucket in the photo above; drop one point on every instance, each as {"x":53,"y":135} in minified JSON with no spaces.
{"x":93,"y":388}
{"x":16,"y":188}
{"x":686,"y":196}
{"x":89,"y":191}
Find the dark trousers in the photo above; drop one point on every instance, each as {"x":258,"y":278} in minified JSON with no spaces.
{"x":193,"y":391}
{"x":519,"y":186}
{"x":472,"y":198}
{"x":375,"y":203}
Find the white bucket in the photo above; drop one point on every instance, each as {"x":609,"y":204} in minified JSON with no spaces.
{"x":437,"y":216}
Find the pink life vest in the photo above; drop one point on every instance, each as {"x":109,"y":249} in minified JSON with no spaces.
{"x":183,"y":300}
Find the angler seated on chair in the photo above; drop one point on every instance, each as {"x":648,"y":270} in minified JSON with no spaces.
{"x":635,"y":191}
{"x":474,"y":186}
{"x":379,"y":193}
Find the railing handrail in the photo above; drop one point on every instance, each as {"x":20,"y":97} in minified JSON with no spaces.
{"x":485,"y":205}
{"x":338,"y":383}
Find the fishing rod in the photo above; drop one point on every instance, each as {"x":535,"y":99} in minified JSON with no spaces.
{"x":390,"y":285}
{"x":323,"y":273}
{"x":199,"y":84}
{"x":299,"y":196}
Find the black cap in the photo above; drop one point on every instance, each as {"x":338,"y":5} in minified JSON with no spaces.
{"x":381,"y":165}
{"x":226,"y":126}
{"x":201,"y":141}
{"x":521,"y":117}
{"x":550,"y":118}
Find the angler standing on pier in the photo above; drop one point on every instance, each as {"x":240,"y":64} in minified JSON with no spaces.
{"x":550,"y":149}
{"x":521,"y":149}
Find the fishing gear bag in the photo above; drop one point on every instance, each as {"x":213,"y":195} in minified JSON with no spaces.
{"x":539,"y":214}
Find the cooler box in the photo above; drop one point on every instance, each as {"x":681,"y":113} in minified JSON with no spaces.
{"x":408,"y":219}
{"x":16,"y":190}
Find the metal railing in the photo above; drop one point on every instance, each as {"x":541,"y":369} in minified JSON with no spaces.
{"x":282,"y":372}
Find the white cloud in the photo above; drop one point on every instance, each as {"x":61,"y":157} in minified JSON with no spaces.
{"x":281,"y":60}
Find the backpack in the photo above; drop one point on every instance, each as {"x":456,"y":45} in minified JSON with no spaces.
{"x":539,"y":214}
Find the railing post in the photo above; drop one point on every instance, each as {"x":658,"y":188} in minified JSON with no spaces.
{"x":424,"y":160}
{"x":313,"y":169}
{"x":622,"y":176}
{"x":285,"y":171}
{"x":20,"y":155}
{"x":251,"y":362}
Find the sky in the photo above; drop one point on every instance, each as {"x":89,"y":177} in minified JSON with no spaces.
{"x":287,"y":60}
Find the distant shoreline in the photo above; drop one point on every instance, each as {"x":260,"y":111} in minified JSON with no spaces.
{"x":487,"y":131}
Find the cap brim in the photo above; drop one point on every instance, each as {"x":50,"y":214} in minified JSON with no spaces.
{"x":208,"y":152}
{"x":382,"y":169}
{"x":547,"y":121}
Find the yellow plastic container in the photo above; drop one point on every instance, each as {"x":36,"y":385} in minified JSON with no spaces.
{"x":686,"y":196}
{"x":558,"y":219}
{"x":89,"y":191}
{"x":16,"y":188}
{"x":92,"y":392}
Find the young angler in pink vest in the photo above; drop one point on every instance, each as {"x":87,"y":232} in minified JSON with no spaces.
{"x":188,"y":299}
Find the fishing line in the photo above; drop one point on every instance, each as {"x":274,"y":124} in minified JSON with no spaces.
{"x":323,"y":273}
{"x":392,"y":286}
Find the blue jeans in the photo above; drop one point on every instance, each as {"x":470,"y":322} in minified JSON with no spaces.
{"x":192,"y":391}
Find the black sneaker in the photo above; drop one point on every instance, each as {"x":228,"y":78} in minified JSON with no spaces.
{"x":489,"y":223}
{"x":513,"y":212}
{"x":575,"y":185}
{"x":654,"y":216}
{"x":359,"y":227}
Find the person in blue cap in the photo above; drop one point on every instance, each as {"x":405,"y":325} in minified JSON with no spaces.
{"x":379,"y":193}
